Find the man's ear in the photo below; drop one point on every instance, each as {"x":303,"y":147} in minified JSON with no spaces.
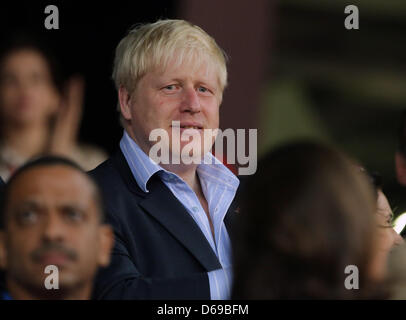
{"x":124,"y":100}
{"x":3,"y":252}
{"x":106,"y":241}
{"x":400,"y":165}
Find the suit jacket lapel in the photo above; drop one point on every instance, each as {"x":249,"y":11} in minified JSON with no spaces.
{"x":232,"y":214}
{"x":166,"y":208}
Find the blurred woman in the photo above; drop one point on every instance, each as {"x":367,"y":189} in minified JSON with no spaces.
{"x":35,"y":116}
{"x":306,"y":215}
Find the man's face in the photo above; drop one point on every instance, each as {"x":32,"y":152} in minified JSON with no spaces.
{"x":52,"y":218}
{"x":189,"y":93}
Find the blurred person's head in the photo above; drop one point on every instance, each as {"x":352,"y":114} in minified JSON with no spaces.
{"x":52,"y":214}
{"x":28,"y":83}
{"x":307,"y":214}
{"x":170,"y":70}
{"x":400,"y":155}
{"x":388,"y":237}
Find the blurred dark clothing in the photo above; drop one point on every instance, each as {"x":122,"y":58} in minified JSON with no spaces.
{"x":4,"y":295}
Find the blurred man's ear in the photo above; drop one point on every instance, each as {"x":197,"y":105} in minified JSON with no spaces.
{"x":124,"y":100}
{"x":3,"y":254}
{"x":106,"y":242}
{"x":400,"y":164}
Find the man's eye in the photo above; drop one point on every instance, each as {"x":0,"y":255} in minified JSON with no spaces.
{"x":203,"y":89}
{"x":27,"y":217}
{"x":73,"y":214}
{"x":170,"y":87}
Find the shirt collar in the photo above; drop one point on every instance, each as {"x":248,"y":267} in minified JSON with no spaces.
{"x":143,"y":168}
{"x":215,"y":171}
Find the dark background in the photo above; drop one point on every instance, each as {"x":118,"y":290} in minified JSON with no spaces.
{"x":88,"y":33}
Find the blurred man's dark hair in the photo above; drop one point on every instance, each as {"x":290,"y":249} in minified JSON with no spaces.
{"x":306,"y":215}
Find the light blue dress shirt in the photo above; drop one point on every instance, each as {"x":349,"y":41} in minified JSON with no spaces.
{"x":219,"y":186}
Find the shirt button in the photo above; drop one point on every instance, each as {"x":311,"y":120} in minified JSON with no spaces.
{"x":195,"y":209}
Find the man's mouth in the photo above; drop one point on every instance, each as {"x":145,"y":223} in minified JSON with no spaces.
{"x":187,"y":125}
{"x":190,"y":127}
{"x":53,"y":258}
{"x":53,"y":255}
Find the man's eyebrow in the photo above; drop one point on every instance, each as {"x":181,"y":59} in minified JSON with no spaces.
{"x":173,"y":79}
{"x":71,"y":205}
{"x":25,"y":204}
{"x":29,"y":202}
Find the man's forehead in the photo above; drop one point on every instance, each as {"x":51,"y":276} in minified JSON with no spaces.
{"x":53,"y":179}
{"x":187,"y":65}
{"x":44,"y":190}
{"x":46,"y":200}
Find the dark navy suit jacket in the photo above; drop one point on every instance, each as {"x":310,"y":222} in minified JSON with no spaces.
{"x":160,"y":252}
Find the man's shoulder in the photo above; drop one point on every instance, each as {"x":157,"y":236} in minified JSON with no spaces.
{"x":106,"y":167}
{"x":109,"y":170}
{"x":118,"y":197}
{"x":109,"y":176}
{"x":115,"y":179}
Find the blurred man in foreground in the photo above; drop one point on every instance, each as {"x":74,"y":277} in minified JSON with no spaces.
{"x":52,"y":221}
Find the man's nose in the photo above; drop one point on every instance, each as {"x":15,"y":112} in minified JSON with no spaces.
{"x":190,"y":101}
{"x":53,"y":228}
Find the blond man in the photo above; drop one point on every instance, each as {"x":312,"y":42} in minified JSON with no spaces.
{"x":170,"y":217}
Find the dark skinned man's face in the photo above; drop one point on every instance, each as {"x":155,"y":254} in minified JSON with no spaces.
{"x":52,"y":218}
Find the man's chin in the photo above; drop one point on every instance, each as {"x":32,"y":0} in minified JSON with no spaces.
{"x":190,"y":154}
{"x":179,"y":152}
{"x":63,"y":274}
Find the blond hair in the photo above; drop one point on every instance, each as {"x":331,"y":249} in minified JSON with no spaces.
{"x":153,"y":45}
